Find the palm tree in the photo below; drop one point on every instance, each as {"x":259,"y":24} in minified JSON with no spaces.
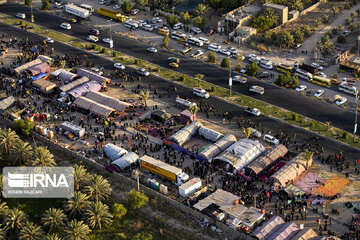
{"x":76,"y":230}
{"x":76,"y":205}
{"x":307,"y":157}
{"x":199,"y":77}
{"x":21,"y":153}
{"x":145,"y":95}
{"x":201,"y":9}
{"x":247,"y":132}
{"x":7,"y":141}
{"x":31,"y":231}
{"x":194,"y":109}
{"x":98,"y":188}
{"x":271,"y":14}
{"x":54,"y":218}
{"x":4,"y":210}
{"x":1,"y":184}
{"x":80,"y":175}
{"x":15,"y":220}
{"x":335,"y":9}
{"x":98,"y":215}
{"x":296,"y":5}
{"x":3,"y":235}
{"x":53,"y":236}
{"x":42,"y":158}
{"x":353,"y":15}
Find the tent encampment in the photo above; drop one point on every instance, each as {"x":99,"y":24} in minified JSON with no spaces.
{"x":85,"y":88}
{"x":265,"y":161}
{"x":184,"y":134}
{"x":74,"y":84}
{"x":213,"y":150}
{"x":305,"y":234}
{"x":111,"y":102}
{"x":290,"y":171}
{"x":285,"y":232}
{"x":126,"y":160}
{"x":26,"y":66}
{"x":160,"y":116}
{"x":209,"y":134}
{"x":92,"y":76}
{"x":94,"y":107}
{"x":241,"y":153}
{"x":114,"y":152}
{"x":268,"y":228}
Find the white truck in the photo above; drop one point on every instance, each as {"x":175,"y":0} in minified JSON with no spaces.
{"x":190,"y":187}
{"x":77,"y":11}
{"x":257,"y":89}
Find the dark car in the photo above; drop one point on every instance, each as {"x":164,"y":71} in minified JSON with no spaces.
{"x":174,"y":60}
{"x":95,"y":31}
{"x":263,"y":75}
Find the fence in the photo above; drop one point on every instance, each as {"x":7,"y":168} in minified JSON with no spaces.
{"x":129,"y":184}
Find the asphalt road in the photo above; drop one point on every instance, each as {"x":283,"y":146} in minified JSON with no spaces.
{"x":286,"y":99}
{"x":330,"y":146}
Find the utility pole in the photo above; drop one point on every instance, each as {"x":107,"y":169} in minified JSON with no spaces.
{"x":32,"y":15}
{"x":111,"y":43}
{"x":356,"y":112}
{"x":230,"y":79}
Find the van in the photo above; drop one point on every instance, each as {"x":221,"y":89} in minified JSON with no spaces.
{"x":178,"y":26}
{"x":214,"y":47}
{"x":257,"y":89}
{"x":204,"y":40}
{"x":270,"y":139}
{"x":201,"y":93}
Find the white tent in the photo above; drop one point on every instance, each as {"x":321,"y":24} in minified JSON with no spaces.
{"x":184,"y":134}
{"x":241,"y":153}
{"x":126,"y":160}
{"x":213,"y":150}
{"x":114,"y":152}
{"x":209,"y":134}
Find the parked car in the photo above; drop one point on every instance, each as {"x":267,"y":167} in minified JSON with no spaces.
{"x":92,"y":38}
{"x":95,"y":31}
{"x":116,"y":7}
{"x":301,"y":88}
{"x":178,"y":26}
{"x":341,"y":101}
{"x":270,"y":139}
{"x":174,"y":59}
{"x":73,"y":20}
{"x":196,"y":30}
{"x":201,"y":93}
{"x":232,"y":50}
{"x":239,"y":79}
{"x":263,"y":74}
{"x":214,"y":47}
{"x":157,"y":20}
{"x":66,"y":26}
{"x":134,"y":11}
{"x":346,"y":33}
{"x":21,"y":15}
{"x":225,"y":52}
{"x":319,"y":93}
{"x":152,"y":50}
{"x":174,"y":65}
{"x":317,"y":66}
{"x":59,"y":5}
{"x":321,"y":74}
{"x":255,"y":132}
{"x":49,"y":40}
{"x":142,"y":71}
{"x":198,"y":53}
{"x":119,"y":66}
{"x":97,"y":70}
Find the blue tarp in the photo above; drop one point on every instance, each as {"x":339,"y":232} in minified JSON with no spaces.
{"x":40,"y":75}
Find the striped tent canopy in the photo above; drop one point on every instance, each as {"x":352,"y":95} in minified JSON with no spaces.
{"x":83,"y":103}
{"x":94,"y":107}
{"x":108,"y":101}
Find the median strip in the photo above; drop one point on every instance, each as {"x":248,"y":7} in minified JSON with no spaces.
{"x":324,"y":129}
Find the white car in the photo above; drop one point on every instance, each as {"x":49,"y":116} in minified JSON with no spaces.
{"x":321,"y":74}
{"x":152,"y":50}
{"x":196,"y":30}
{"x":346,"y":33}
{"x":255,"y":132}
{"x":201,"y":93}
{"x":239,"y":79}
{"x":341,"y":101}
{"x":59,"y":5}
{"x":116,"y":7}
{"x":92,"y":38}
{"x":96,"y":70}
{"x":198,"y":53}
{"x":319,"y":93}
{"x":134,"y":11}
{"x":243,"y":70}
{"x":157,"y":19}
{"x":21,"y":15}
{"x":253,"y":111}
{"x":142,"y":71}
{"x":225,"y":52}
{"x":232,"y":50}
{"x":119,"y":66}
{"x":270,"y":139}
{"x":214,"y":47}
{"x":106,"y":40}
{"x":301,"y":88}
{"x":315,"y":65}
{"x":65,"y":25}
{"x":178,"y":26}
{"x":49,"y":40}
{"x":102,"y":1}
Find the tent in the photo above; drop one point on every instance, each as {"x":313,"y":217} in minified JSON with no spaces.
{"x":209,"y":134}
{"x":6,"y":102}
{"x":305,"y":234}
{"x":111,"y":102}
{"x":213,"y":150}
{"x":40,"y":68}
{"x":187,"y":115}
{"x":160,"y":115}
{"x":74,"y":84}
{"x":267,"y":160}
{"x":290,"y":171}
{"x":26,"y":66}
{"x":126,"y":160}
{"x":40,"y":75}
{"x":241,"y":153}
{"x":92,"y":106}
{"x":114,"y":152}
{"x":285,"y":232}
{"x":66,"y":76}
{"x":184,"y":134}
{"x":75,"y":129}
{"x":93,"y":76}
{"x":47,"y":59}
{"x":85,"y":88}
{"x":268,"y":228}
{"x":45,"y":86}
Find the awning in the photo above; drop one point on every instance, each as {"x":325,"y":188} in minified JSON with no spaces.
{"x":41,"y":75}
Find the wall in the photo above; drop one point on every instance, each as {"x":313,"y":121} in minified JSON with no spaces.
{"x":129,"y":183}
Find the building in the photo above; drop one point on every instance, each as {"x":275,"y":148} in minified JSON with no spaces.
{"x":282,"y":10}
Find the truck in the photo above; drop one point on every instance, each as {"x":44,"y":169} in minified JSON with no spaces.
{"x":77,"y":11}
{"x":111,"y":14}
{"x":162,"y":169}
{"x":257,"y":89}
{"x":190,"y":187}
{"x":306,"y":67}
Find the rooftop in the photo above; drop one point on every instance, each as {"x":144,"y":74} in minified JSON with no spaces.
{"x":277,"y":6}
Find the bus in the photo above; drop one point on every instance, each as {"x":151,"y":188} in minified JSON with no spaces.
{"x":87,"y":7}
{"x":178,"y":35}
{"x":131,"y":24}
{"x":195,"y":41}
{"x":304,"y":74}
{"x":325,"y":82}
{"x":284,"y":68}
{"x":347,"y":88}
{"x":164,"y":31}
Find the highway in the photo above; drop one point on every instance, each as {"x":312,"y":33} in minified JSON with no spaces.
{"x":268,"y":123}
{"x":286,"y":99}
